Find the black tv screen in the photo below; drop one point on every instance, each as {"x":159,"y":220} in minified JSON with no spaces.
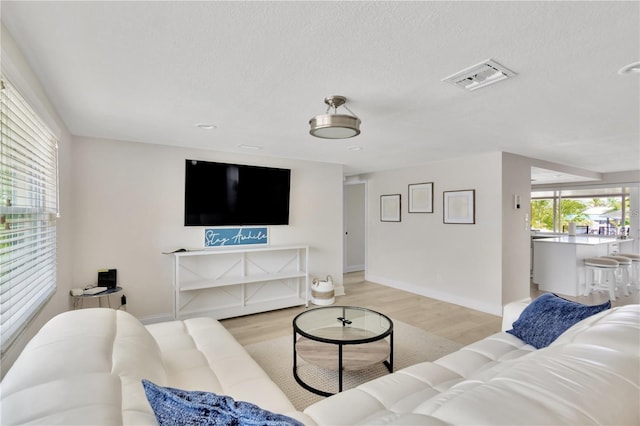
{"x":220,"y":194}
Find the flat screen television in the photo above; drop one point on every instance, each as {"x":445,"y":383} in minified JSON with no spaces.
{"x":221,"y":194}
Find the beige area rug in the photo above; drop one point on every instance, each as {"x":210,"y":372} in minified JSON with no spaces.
{"x":411,"y":345}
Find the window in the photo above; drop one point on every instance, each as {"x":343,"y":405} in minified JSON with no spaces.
{"x":600,"y":211}
{"x":28,"y":213}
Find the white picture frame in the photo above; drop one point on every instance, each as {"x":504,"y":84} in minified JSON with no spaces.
{"x":421,"y":197}
{"x":390,"y":208}
{"x":459,"y":206}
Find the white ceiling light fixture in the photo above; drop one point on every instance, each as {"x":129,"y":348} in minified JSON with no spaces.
{"x":479,"y":75}
{"x":335,"y":126}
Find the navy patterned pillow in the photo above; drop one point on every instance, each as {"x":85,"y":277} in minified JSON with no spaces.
{"x":179,"y":407}
{"x":548,"y":316}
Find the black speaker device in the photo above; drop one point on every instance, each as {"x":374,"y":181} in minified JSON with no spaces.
{"x":107,"y":278}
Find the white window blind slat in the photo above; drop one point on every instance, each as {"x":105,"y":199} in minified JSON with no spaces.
{"x":36,"y":153}
{"x":28,"y":212}
{"x":19,"y":268}
{"x":19,"y":110}
{"x":22,"y":288}
{"x":33,"y":156}
{"x":23,"y":312}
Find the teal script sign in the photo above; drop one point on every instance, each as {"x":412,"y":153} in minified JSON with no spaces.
{"x":236,"y":236}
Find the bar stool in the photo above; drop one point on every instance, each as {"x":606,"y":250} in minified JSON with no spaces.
{"x":623,"y":273}
{"x":635,"y":267}
{"x":604,"y":269}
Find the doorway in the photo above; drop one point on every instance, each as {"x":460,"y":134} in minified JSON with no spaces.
{"x":354,"y":226}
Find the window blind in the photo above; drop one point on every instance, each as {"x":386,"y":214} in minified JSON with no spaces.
{"x":28,"y":213}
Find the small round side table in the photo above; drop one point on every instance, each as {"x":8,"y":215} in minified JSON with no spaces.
{"x":78,"y":300}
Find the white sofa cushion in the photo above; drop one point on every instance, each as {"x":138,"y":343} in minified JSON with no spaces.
{"x":200,"y":354}
{"x":84,"y":399}
{"x":81,"y":368}
{"x":616,"y":329}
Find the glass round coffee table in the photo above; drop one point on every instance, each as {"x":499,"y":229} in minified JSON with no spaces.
{"x":341,"y":338}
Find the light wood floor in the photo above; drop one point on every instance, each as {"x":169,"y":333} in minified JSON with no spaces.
{"x":450,"y":321}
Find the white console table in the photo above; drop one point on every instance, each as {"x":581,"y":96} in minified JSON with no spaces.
{"x":229,"y":282}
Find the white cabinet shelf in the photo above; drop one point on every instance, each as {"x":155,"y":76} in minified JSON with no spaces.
{"x":228,"y":282}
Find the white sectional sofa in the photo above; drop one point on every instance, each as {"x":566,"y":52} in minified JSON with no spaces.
{"x":85,"y":367}
{"x":589,"y":375}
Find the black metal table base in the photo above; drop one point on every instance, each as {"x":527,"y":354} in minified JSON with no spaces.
{"x":388,"y":363}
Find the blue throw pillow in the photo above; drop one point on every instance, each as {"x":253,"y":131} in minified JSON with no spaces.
{"x":548,"y":316}
{"x":178,"y":407}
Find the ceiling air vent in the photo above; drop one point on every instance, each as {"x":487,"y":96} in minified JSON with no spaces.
{"x":479,"y":75}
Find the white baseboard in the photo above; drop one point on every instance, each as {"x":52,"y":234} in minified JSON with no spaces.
{"x":353,"y":268}
{"x":438,"y":295}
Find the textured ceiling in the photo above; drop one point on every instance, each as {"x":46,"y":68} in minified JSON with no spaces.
{"x":149,"y":71}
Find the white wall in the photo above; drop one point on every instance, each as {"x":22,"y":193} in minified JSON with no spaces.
{"x":461,"y":264}
{"x":516,"y":227}
{"x":129,"y":205}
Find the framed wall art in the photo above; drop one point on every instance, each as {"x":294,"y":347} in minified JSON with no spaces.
{"x":460,"y":206}
{"x":421,"y":197}
{"x":390,"y":208}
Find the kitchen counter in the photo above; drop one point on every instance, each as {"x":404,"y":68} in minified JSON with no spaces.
{"x":588,"y":240}
{"x":558,"y":265}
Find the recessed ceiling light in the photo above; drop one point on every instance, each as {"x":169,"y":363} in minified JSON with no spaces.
{"x":633,"y":68}
{"x":251,"y":147}
{"x":355,"y":148}
{"x":205,"y":126}
{"x":479,"y":75}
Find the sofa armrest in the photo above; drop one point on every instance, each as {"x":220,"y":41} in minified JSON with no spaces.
{"x":511,"y":312}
